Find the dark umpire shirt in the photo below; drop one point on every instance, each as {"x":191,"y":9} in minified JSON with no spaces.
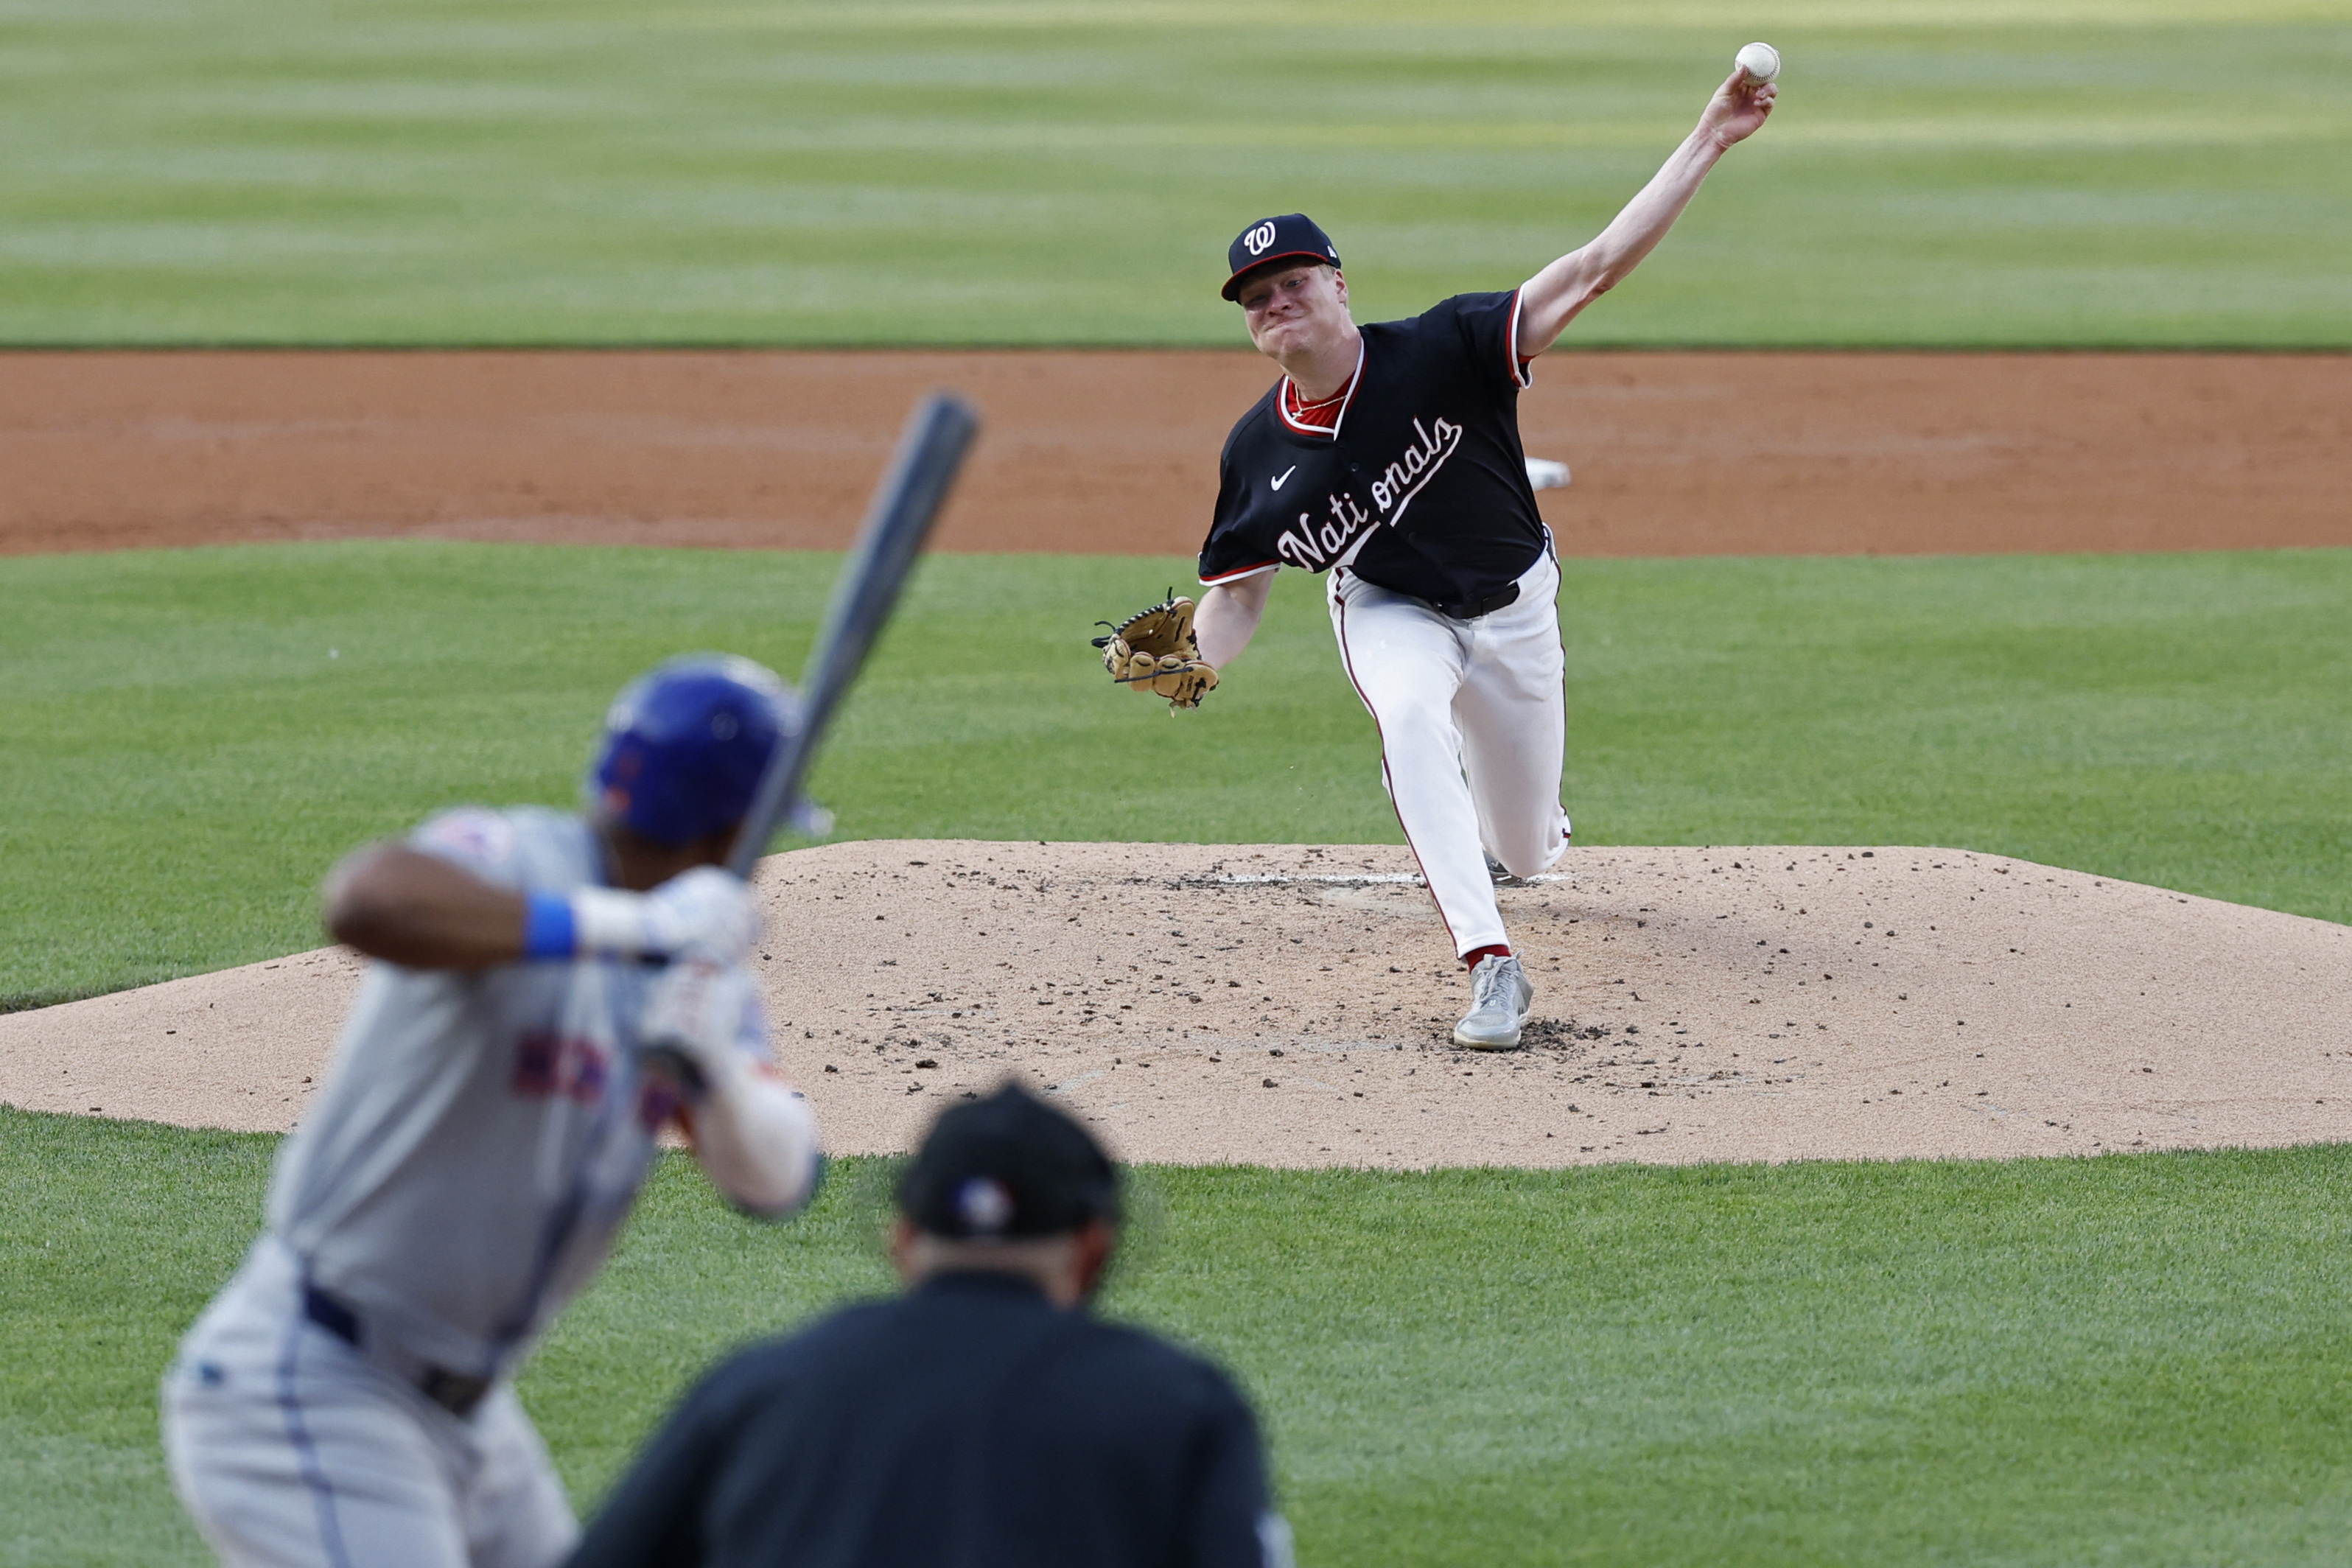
{"x":1423,"y":489}
{"x":970,"y":1424}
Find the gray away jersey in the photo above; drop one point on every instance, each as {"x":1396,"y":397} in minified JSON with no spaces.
{"x":482,"y":1136}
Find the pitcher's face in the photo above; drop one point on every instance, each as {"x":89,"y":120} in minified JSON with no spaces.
{"x":1296,"y":309}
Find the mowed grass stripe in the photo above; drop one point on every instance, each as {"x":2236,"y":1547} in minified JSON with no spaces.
{"x":614,"y":170}
{"x":2137,"y":1357}
{"x":191,"y":738}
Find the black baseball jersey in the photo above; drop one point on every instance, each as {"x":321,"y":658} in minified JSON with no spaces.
{"x":969,"y":1422}
{"x":1423,"y":488}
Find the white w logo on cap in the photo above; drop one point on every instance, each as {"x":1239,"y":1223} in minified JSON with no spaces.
{"x":1256,"y":240}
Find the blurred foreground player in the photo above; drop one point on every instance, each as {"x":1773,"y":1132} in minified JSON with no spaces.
{"x":984,"y":1419}
{"x":487,"y":1120}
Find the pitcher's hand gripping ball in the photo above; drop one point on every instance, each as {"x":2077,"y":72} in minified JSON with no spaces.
{"x":1154,"y":650}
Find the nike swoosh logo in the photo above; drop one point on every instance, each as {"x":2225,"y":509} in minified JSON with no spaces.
{"x":1286,"y":474}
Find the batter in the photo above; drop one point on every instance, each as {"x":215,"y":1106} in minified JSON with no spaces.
{"x":488,"y":1116}
{"x":1388,"y":456}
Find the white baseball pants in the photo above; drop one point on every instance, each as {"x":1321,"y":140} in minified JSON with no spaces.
{"x":1472,"y":726}
{"x":291,"y":1451}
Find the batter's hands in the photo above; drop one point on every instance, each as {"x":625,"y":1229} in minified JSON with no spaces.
{"x":753,"y":1135}
{"x":1740,"y":108}
{"x":692,"y":1019}
{"x":705,"y":914}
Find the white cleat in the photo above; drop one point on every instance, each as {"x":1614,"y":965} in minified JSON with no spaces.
{"x":1499,"y":999}
{"x":1543,"y":474}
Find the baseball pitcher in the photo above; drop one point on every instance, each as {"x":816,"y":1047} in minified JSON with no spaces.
{"x":549,"y":990}
{"x":1389,"y":457}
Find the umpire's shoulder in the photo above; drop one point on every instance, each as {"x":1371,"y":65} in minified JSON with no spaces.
{"x":1114,"y":1357}
{"x":766,"y":1364}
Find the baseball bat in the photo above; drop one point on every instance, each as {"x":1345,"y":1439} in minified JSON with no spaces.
{"x":930,"y":450}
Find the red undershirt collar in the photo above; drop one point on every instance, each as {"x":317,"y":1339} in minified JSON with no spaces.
{"x":1322,"y":414}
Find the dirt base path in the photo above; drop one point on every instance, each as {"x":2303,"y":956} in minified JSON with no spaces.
{"x":1674,"y":454}
{"x":1291,"y":1006}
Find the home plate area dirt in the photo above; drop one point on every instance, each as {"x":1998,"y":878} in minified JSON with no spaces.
{"x":1292,"y":1006}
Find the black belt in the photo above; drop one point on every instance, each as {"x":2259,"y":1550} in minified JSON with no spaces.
{"x":452,"y":1390}
{"x":1471,"y":609}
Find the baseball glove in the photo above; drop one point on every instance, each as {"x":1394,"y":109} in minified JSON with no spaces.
{"x":1154,"y":650}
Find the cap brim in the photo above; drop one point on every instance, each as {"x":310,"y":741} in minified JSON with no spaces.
{"x":1234,"y":284}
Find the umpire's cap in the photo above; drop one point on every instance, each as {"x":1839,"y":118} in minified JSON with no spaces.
{"x":685,"y":746}
{"x":1010,"y":1165}
{"x":1293,"y":238}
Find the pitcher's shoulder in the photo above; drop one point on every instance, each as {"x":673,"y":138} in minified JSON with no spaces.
{"x":1256,"y":424}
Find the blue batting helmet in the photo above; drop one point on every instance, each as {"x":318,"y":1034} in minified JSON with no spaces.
{"x":685,"y":744}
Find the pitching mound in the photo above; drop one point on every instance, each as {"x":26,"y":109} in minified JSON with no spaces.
{"x":1292,"y":1006}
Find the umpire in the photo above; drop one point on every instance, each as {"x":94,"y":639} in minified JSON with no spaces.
{"x":984,"y":1419}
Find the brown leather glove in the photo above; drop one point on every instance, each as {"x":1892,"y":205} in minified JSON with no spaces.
{"x":1154,"y":650}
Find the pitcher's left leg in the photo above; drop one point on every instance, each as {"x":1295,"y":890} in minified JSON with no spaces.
{"x":1404,"y":660}
{"x":1513,"y":719}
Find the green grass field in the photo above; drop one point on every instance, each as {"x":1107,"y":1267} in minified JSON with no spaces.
{"x":2086,"y":171}
{"x":192,"y":737}
{"x":2137,"y":1359}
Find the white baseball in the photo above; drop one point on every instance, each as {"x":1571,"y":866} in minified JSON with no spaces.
{"x":1761,"y":61}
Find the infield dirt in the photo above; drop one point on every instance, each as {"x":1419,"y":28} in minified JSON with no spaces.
{"x":1292,"y":1006}
{"x":1674,"y":454}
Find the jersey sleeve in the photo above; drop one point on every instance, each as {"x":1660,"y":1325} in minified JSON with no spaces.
{"x":1228,"y":556}
{"x":1487,"y":327}
{"x":478,"y":839}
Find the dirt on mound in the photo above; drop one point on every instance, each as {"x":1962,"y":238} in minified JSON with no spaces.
{"x":1291,"y":1006}
{"x":1674,"y":454}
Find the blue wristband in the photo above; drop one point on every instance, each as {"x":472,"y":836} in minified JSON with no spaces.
{"x":549,"y":929}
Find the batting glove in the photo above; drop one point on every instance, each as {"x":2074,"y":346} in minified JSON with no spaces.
{"x":693,"y":1026}
{"x":705,"y":914}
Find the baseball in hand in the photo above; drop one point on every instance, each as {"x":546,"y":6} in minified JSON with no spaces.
{"x":1761,"y":61}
